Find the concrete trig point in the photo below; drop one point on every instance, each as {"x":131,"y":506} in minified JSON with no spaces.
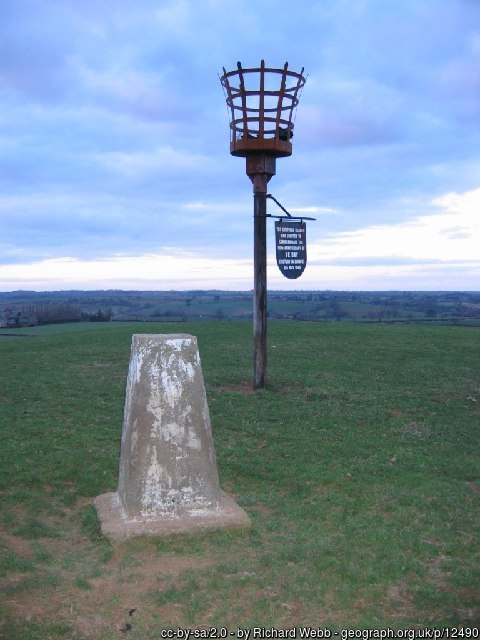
{"x":262,"y":103}
{"x":168,"y":479}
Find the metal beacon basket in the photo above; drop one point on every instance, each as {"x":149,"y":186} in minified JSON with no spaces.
{"x":262,"y":103}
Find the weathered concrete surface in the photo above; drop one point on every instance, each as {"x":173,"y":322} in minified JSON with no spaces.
{"x":168,"y":479}
{"x":117,"y":526}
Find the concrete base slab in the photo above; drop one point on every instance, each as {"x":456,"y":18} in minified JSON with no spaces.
{"x":117,"y":526}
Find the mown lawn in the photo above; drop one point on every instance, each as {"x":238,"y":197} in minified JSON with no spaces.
{"x":358,"y":465}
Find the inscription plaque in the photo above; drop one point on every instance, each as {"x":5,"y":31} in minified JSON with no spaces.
{"x":291,"y":243}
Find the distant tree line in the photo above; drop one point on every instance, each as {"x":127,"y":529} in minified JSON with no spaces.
{"x":36,"y":314}
{"x":99,"y":316}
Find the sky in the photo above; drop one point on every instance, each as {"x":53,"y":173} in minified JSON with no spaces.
{"x":115,"y":170}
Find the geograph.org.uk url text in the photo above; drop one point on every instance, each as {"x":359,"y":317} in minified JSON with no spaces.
{"x":220,"y":633}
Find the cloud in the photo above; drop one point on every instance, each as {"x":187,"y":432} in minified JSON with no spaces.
{"x":114,"y":131}
{"x":32,"y":50}
{"x":439,"y":247}
{"x":151,"y":272}
{"x":159,"y":161}
{"x":314,"y":210}
{"x":452,"y":235}
{"x":350,"y":111}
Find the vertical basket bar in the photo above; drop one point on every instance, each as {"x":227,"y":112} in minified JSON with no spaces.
{"x":228,"y":88}
{"x":261,"y":115}
{"x":244,"y":99}
{"x":295,"y":98}
{"x":281,"y":93}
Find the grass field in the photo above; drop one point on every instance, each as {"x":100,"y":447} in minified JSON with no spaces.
{"x":358,"y":465}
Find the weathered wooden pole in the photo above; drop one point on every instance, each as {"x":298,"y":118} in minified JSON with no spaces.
{"x":260,"y":292}
{"x":260,"y":168}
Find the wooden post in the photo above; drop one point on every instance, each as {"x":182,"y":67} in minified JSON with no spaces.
{"x":260,"y":168}
{"x":260,"y":291}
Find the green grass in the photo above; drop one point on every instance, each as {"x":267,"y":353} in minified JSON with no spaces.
{"x":358,"y":465}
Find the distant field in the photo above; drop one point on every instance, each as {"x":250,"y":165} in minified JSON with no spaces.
{"x":359,"y":466}
{"x":447,"y":307}
{"x":52,"y":329}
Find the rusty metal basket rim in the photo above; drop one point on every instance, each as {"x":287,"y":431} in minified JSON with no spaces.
{"x":281,"y":70}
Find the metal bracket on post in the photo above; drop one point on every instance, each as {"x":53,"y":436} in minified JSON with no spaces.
{"x":289,"y":215}
{"x":260,"y":168}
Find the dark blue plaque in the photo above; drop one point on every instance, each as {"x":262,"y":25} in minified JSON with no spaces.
{"x":291,"y":242}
